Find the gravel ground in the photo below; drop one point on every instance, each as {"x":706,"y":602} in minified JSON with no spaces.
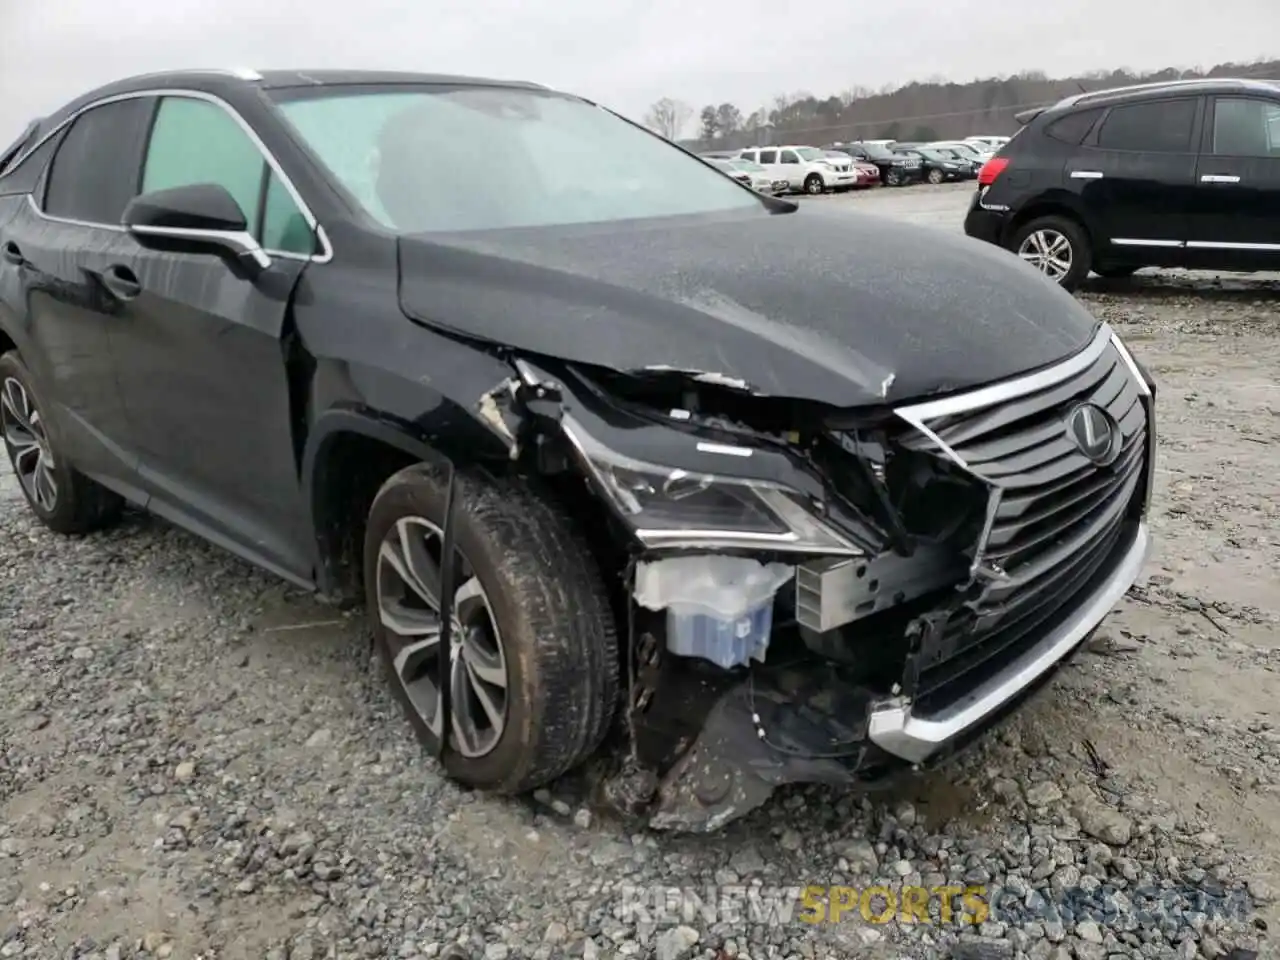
{"x":197,"y":761}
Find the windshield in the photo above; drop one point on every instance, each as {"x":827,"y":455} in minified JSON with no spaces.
{"x":810,"y":153}
{"x":443,"y":158}
{"x":877,"y":150}
{"x":749,"y":166}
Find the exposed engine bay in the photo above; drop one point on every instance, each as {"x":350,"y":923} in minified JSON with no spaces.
{"x":816,"y":595}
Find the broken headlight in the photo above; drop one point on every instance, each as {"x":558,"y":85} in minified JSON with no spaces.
{"x":669,"y":507}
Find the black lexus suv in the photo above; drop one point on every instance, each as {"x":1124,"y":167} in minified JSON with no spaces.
{"x":627,"y":465}
{"x":1177,"y":174}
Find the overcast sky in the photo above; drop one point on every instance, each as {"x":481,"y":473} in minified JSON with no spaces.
{"x":626,"y":53}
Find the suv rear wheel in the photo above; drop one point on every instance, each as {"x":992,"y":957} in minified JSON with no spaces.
{"x":1056,"y":246}
{"x":62,"y":498}
{"x":534,"y":659}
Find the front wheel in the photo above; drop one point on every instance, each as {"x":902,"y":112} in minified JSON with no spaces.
{"x":893,"y":178}
{"x":935,"y":176}
{"x":813,"y":185}
{"x":533,"y":660}
{"x":1056,"y":246}
{"x":62,"y":498}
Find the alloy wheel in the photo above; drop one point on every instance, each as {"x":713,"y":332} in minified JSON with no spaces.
{"x":814,"y":186}
{"x":935,"y":176}
{"x":1049,"y":252}
{"x":408,"y":584}
{"x":28,"y":444}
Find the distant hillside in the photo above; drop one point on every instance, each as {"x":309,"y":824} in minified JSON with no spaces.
{"x":917,"y":111}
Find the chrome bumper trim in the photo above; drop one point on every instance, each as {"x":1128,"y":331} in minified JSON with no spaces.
{"x":895,"y":730}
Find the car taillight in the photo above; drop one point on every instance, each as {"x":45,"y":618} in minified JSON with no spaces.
{"x":992,"y":169}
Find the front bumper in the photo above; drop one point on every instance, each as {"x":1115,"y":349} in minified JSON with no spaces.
{"x":1043,"y":593}
{"x":894,"y":728}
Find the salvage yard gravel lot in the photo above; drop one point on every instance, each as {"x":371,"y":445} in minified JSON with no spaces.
{"x":199,"y":761}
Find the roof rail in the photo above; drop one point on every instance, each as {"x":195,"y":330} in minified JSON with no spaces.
{"x":1154,"y":85}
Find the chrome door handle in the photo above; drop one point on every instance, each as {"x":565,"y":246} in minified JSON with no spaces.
{"x":1218,"y":178}
{"x":1086,"y":174}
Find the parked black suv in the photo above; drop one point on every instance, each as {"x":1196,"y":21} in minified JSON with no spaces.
{"x":1178,"y":174}
{"x":635,"y":456}
{"x":896,"y":169}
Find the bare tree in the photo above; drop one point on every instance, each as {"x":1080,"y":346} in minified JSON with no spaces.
{"x":668,"y":117}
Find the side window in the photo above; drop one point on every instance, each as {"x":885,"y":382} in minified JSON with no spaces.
{"x":94,"y":173}
{"x":195,"y":141}
{"x":1161,"y":126}
{"x":768,"y":156}
{"x":25,"y":176}
{"x":1074,"y":127}
{"x":789,"y":156}
{"x":1246,"y":128}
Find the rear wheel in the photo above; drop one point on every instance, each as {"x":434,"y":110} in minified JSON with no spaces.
{"x":533,"y":665}
{"x":813,"y":184}
{"x":62,"y":498}
{"x":1056,"y":246}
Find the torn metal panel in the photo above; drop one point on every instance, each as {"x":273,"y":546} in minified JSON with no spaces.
{"x":802,"y":724}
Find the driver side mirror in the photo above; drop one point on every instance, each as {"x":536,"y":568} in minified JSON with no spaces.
{"x":201,"y":217}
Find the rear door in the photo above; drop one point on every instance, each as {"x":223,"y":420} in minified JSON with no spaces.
{"x":769,"y":160}
{"x":59,"y":248}
{"x":203,"y":353}
{"x":1236,"y":213}
{"x":790,"y":168}
{"x":1136,"y":173}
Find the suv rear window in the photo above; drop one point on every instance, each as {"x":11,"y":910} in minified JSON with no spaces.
{"x":1074,"y":127}
{"x":1160,"y":126}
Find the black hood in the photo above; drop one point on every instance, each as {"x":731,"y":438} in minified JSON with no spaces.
{"x":834,"y":307}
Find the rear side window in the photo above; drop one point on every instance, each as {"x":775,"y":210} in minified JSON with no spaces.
{"x":1245,"y":128}
{"x":1074,"y":127}
{"x":25,"y":176}
{"x":94,"y":174}
{"x":768,"y":156}
{"x":1160,"y":126}
{"x":195,"y":141}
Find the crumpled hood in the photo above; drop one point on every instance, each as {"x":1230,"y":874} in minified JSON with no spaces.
{"x":834,"y":307}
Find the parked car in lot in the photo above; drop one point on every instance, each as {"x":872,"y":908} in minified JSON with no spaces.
{"x":642,"y":448}
{"x":805,"y":169}
{"x":760,"y":179}
{"x":1179,"y":174}
{"x":896,"y":169}
{"x":941,"y":166}
{"x":989,"y":143}
{"x":867,"y":175}
{"x":742,"y":176}
{"x":970,"y":151}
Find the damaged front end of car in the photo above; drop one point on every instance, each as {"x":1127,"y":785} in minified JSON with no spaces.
{"x":824,"y":595}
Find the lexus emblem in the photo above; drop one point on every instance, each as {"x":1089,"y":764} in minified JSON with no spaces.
{"x":1094,"y":433}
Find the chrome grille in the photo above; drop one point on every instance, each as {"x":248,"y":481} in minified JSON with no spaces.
{"x":1059,"y":520}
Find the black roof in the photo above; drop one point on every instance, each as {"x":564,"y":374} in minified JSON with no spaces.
{"x":1140,"y":91}
{"x":216,"y":80}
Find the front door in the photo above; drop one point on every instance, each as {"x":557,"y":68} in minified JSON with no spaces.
{"x":203,"y":355}
{"x":1136,"y":175}
{"x":1235,"y":218}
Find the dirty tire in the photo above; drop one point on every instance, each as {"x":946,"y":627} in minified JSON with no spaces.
{"x":550,"y":606}
{"x":935,"y":176}
{"x":79,"y":505}
{"x":893,"y":179}
{"x":813,"y":184}
{"x":1081,"y":248}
